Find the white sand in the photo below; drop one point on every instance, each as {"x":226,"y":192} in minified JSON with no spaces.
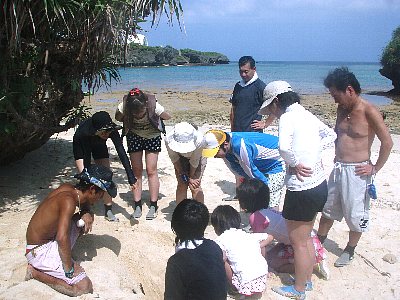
{"x":120,"y":258}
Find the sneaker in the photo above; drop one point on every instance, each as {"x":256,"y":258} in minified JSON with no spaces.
{"x":152,"y":214}
{"x":111,"y":217}
{"x":322,"y":269}
{"x":230,"y":198}
{"x":137,"y":213}
{"x":308,"y":286}
{"x":344,"y":259}
{"x":289,"y":292}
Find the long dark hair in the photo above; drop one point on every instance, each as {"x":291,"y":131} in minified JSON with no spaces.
{"x":135,"y":102}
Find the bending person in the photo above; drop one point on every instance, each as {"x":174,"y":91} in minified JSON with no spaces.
{"x":251,"y":155}
{"x":185,"y":145}
{"x":53,"y":230}
{"x":142,"y":117}
{"x":302,"y":138}
{"x":90,"y":139}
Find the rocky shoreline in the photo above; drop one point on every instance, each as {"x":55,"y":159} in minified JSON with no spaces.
{"x":210,"y":106}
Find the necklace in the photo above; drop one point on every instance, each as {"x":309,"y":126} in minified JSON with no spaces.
{"x":79,"y":200}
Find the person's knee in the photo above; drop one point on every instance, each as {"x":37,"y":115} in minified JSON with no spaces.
{"x":84,"y":286}
{"x":182,"y":185}
{"x":196,"y":190}
{"x":151,"y":171}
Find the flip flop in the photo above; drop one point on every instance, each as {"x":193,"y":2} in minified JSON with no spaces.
{"x":289,"y":292}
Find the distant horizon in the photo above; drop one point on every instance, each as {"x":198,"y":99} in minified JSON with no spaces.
{"x":332,"y":31}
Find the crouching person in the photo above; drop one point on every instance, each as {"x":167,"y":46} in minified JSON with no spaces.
{"x":55,"y":227}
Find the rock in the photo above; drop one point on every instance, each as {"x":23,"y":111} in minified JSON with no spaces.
{"x":390,"y":258}
{"x":138,"y":56}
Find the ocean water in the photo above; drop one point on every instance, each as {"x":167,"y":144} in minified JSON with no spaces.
{"x":305,"y":77}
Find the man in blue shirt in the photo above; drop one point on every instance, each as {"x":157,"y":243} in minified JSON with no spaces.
{"x":251,"y":155}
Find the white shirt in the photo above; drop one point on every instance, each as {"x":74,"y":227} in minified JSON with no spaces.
{"x":243,"y":84}
{"x":302,"y":137}
{"x":243,"y":252}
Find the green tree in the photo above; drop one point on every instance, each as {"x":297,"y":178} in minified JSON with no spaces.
{"x":390,"y":61}
{"x":48,"y":48}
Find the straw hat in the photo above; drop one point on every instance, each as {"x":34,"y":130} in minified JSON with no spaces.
{"x":214,"y":138}
{"x":272,"y":90}
{"x":184,"y":138}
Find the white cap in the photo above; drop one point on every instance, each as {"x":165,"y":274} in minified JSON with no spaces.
{"x":272,"y":90}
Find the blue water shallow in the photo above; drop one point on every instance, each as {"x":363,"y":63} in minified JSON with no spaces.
{"x":305,"y":77}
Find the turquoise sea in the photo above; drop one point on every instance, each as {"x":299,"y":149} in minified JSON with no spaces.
{"x":305,"y":77}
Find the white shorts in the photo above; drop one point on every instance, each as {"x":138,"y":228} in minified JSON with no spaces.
{"x":348,"y":197}
{"x":46,"y":258}
{"x":276,"y":184}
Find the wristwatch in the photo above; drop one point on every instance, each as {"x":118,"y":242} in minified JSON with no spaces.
{"x":70,"y":273}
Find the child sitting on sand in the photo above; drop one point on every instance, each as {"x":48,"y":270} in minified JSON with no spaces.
{"x":196,"y":270}
{"x":253,"y":198}
{"x":245,"y":265}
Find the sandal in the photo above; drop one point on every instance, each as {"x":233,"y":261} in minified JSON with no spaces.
{"x":289,"y":292}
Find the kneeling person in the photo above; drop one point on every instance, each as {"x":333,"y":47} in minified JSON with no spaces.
{"x":53,"y":231}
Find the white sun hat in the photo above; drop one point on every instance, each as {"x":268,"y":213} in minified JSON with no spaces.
{"x":272,"y":90}
{"x":184,"y":138}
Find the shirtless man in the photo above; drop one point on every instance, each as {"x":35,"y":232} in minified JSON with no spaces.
{"x":53,"y":230}
{"x":357,"y":123}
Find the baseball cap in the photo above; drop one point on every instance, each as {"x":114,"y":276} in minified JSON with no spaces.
{"x":272,"y":90}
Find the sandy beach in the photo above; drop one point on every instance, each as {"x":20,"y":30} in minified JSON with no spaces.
{"x":127,"y":260}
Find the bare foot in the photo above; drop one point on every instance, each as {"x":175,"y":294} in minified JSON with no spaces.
{"x":29,"y":271}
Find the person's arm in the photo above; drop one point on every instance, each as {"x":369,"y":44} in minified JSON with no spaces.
{"x":286,"y":133}
{"x":160,"y":111}
{"x":174,"y":285}
{"x":82,"y":151}
{"x":117,"y":140}
{"x":119,"y":115}
{"x":375,"y":120}
{"x":231,"y":118}
{"x":247,"y":154}
{"x":66,"y":211}
{"x":262,"y":124}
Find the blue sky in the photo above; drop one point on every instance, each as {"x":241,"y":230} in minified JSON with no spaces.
{"x":284,"y":30}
